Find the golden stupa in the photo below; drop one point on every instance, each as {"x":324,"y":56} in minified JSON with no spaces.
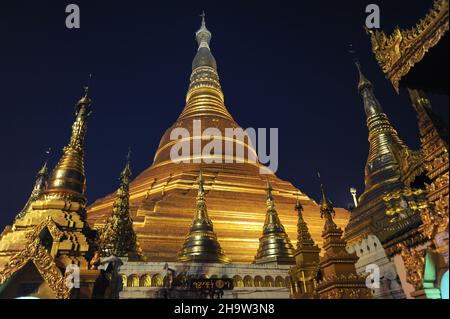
{"x":162,"y":196}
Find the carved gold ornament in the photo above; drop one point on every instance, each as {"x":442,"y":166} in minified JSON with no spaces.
{"x":399,"y":52}
{"x":40,"y":257}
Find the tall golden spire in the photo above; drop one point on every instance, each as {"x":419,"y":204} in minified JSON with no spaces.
{"x":39,"y":186}
{"x":201,"y":244}
{"x":205,"y":96}
{"x":384,"y":163}
{"x":67,"y":179}
{"x":118,"y":237}
{"x":274,"y":244}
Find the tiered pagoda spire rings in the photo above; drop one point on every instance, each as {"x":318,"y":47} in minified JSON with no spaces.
{"x":274,"y":244}
{"x":304,"y":238}
{"x":201,"y":244}
{"x":385,"y":144}
{"x":205,"y":96}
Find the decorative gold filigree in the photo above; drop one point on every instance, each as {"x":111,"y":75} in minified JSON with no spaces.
{"x":399,"y":52}
{"x":44,"y":263}
{"x":414,"y":261}
{"x":52,"y":228}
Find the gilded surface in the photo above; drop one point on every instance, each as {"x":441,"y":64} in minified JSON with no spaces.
{"x":118,"y":238}
{"x":434,"y":144}
{"x":61,"y":205}
{"x":390,"y":166}
{"x":201,"y":243}
{"x":337,"y":267}
{"x":41,"y":258}
{"x":274,"y":244}
{"x":162,"y":197}
{"x":414,"y":261}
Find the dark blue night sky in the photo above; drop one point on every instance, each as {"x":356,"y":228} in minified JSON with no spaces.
{"x":282,"y":64}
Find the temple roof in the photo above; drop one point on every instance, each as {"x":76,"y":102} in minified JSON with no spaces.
{"x":404,"y":55}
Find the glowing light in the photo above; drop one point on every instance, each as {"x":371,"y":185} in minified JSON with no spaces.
{"x":444,"y":286}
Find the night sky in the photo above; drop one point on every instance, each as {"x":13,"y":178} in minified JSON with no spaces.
{"x":282,"y":64}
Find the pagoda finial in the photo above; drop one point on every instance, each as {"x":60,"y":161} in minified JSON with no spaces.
{"x":201,"y":243}
{"x":274,"y":244}
{"x":203,"y":35}
{"x":203,"y":15}
{"x":126,"y":173}
{"x":363,"y":81}
{"x":269,"y":197}
{"x":327,"y":211}
{"x":299,"y":208}
{"x":200,"y":182}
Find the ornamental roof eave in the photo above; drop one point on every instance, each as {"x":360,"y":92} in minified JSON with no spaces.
{"x":398,"y":52}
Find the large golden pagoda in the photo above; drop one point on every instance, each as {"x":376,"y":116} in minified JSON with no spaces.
{"x":162,"y":196}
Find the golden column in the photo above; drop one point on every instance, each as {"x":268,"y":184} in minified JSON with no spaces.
{"x":201,"y":244}
{"x":274,"y":244}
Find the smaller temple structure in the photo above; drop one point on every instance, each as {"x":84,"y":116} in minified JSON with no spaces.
{"x":274,"y":244}
{"x":416,"y":58}
{"x":417,"y":239}
{"x":118,"y":238}
{"x":337,"y":278}
{"x":307,"y":258}
{"x":46,"y":252}
{"x":201,"y":244}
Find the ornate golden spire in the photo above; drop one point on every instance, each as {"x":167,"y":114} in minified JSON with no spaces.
{"x":339,"y":279}
{"x":304,"y":239}
{"x":274,"y":244}
{"x":205,"y":96}
{"x":118,"y":237}
{"x":386,"y":150}
{"x":201,"y":244}
{"x":306,"y":260}
{"x":39,"y":186}
{"x":67,"y":179}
